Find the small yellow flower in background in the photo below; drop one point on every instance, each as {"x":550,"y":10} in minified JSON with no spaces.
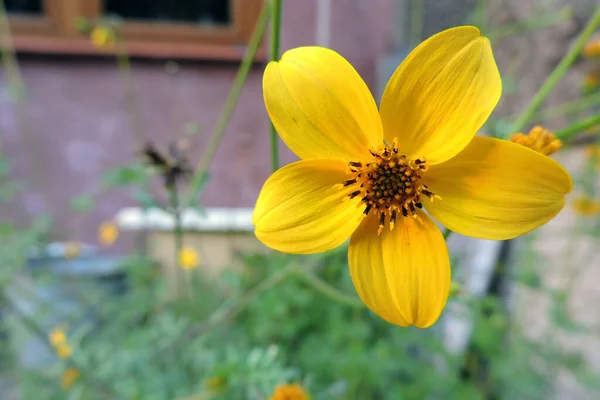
{"x":216,"y":383}
{"x":57,"y":337}
{"x":69,"y":377}
{"x":289,"y":392}
{"x":592,"y":151}
{"x":108,"y":233}
{"x":539,"y":139}
{"x":367,"y":173}
{"x":188,"y":258}
{"x":584,"y":205}
{"x":64,"y":350}
{"x":72,"y":250}
{"x":103,"y":37}
{"x":591,"y":80}
{"x":592,"y":48}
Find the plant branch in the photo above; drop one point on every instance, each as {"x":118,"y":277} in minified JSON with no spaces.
{"x":274,"y":56}
{"x":240,"y":78}
{"x":562,"y":67}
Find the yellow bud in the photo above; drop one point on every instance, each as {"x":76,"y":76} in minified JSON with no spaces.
{"x":103,"y":37}
{"x":584,"y":205}
{"x":108,"y":232}
{"x":68,"y":378}
{"x":188,"y":258}
{"x":289,"y":392}
{"x":64,"y":350}
{"x":57,"y":337}
{"x":216,"y":383}
{"x":538,"y":139}
{"x":592,"y":48}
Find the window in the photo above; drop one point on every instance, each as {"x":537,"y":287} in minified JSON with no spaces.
{"x":216,"y":29}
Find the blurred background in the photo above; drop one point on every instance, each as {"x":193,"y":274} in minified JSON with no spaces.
{"x":133,"y":144}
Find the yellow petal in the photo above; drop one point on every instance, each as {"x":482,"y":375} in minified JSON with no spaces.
{"x":320,"y":105}
{"x":299,"y":210}
{"x":496,"y":189}
{"x":441,"y":95}
{"x":401,"y":275}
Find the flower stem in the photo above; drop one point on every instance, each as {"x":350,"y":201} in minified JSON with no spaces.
{"x":177,"y":230}
{"x":327,"y":290}
{"x":240,"y":78}
{"x":537,"y":22}
{"x":228,"y":310}
{"x":124,"y":65}
{"x":481,"y":14}
{"x":274,"y":56}
{"x":446,"y":233}
{"x":566,"y":133}
{"x":558,"y":72}
{"x":578,"y":105}
{"x":416,"y":22}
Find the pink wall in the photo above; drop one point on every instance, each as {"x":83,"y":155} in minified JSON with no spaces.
{"x":77,"y":124}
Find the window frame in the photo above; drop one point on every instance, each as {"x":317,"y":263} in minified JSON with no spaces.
{"x":55,"y":33}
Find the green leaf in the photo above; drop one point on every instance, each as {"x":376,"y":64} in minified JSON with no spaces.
{"x":145,"y":198}
{"x":82,"y":203}
{"x":125,"y":175}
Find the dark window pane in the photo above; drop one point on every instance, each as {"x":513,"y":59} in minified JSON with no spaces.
{"x":23,"y":6}
{"x":189,"y":11}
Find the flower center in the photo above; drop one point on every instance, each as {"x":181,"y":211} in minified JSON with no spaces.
{"x":389,"y":184}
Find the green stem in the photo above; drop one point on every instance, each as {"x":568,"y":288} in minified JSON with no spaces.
{"x":36,"y":329}
{"x":230,"y":103}
{"x":481,"y":10}
{"x":539,"y":22}
{"x":228,"y":310}
{"x":17,"y":94}
{"x":274,"y":56}
{"x":568,"y":108}
{"x":327,"y":290}
{"x":558,"y":72}
{"x":177,"y":229}
{"x":124,"y":65}
{"x":446,"y":233}
{"x":566,"y":133}
{"x":416,"y":22}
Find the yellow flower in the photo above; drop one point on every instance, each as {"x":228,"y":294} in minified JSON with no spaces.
{"x":367,"y":175}
{"x":592,"y":48}
{"x":289,"y":392}
{"x":591,"y":80}
{"x":72,"y":250}
{"x":57,"y":337}
{"x":188,"y":258}
{"x":64,"y":350}
{"x":216,"y":383}
{"x":586,"y":206}
{"x":108,"y":232}
{"x":68,"y":378}
{"x":103,"y":37}
{"x":538,"y":139}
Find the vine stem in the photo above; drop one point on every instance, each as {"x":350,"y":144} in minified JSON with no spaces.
{"x":124,"y":65}
{"x":558,"y":72}
{"x":234,"y":94}
{"x":571,"y":130}
{"x":274,"y":56}
{"x":36,"y":329}
{"x":327,"y":290}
